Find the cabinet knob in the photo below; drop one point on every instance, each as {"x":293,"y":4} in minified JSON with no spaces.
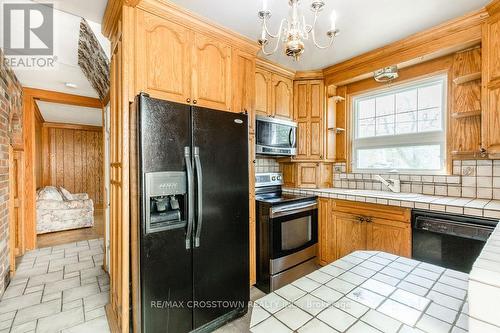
{"x":188,"y":100}
{"x":195,"y":101}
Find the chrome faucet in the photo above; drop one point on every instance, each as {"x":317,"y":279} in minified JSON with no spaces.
{"x":393,"y":184}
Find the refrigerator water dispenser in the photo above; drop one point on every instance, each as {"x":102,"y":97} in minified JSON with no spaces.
{"x":165,"y":201}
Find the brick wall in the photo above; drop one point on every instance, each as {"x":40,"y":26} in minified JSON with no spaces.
{"x":10,"y":133}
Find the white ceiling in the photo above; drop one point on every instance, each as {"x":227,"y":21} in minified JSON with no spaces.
{"x":69,"y":114}
{"x":66,"y":36}
{"x":364,"y":24}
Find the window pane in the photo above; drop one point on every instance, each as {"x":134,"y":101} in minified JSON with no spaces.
{"x":429,"y":120}
{"x":366,"y":128}
{"x":408,"y":157}
{"x":430,"y":97}
{"x":385,"y":125}
{"x":385,"y":105}
{"x":406,"y":122}
{"x":366,"y":109}
{"x":406,"y":101}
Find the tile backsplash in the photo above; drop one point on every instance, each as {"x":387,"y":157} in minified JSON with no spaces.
{"x":263,"y":164}
{"x":470,"y":179}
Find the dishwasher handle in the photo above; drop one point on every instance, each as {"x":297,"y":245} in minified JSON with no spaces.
{"x":453,"y":228}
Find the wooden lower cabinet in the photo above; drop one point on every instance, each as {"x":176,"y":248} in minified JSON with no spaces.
{"x":351,"y":234}
{"x":345,"y":227}
{"x":327,"y":239}
{"x":389,"y":236}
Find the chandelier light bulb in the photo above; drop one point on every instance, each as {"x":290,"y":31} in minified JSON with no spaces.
{"x":333,"y":21}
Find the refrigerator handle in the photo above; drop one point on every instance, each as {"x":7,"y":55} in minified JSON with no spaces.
{"x":199,"y":176}
{"x":189,"y":169}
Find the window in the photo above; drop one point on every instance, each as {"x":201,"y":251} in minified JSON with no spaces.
{"x":401,"y":129}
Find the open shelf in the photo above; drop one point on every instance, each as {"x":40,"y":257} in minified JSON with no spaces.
{"x":458,"y":115}
{"x":467,"y":78}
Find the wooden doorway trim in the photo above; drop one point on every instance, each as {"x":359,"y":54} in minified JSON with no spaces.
{"x":30,"y":96}
{"x":16,"y":200}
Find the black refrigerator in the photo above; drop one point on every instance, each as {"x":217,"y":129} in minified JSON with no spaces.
{"x":193,"y":243}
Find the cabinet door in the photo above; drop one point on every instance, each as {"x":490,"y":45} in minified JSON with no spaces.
{"x":211,"y":73}
{"x":316,"y":110}
{"x":491,"y":84}
{"x":309,"y":109}
{"x":282,"y":97}
{"x":244,"y":86}
{"x":389,"y":236}
{"x":327,"y":233}
{"x":351,"y":234}
{"x":307,"y":175}
{"x":162,"y":76}
{"x":262,"y":92}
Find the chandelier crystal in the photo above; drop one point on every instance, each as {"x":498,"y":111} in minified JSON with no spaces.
{"x":294,"y":30}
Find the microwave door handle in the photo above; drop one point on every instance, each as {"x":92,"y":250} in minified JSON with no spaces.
{"x":291,"y":137}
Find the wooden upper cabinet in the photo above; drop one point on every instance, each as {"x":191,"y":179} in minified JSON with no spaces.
{"x":273,"y":95}
{"x":309,"y":114}
{"x":211,"y":80}
{"x":165,"y":77}
{"x":262,"y":92}
{"x":491,"y":82}
{"x":282,"y":101}
{"x":244,"y":86}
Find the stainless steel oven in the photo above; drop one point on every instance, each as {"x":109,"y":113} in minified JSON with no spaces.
{"x":287,"y":237}
{"x":275,"y":137}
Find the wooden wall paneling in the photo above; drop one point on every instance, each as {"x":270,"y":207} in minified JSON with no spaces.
{"x":76,"y":160}
{"x":38,"y":147}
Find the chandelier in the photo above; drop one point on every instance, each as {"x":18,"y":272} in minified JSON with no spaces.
{"x":294,"y":30}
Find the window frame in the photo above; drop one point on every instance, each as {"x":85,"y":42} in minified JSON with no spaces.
{"x":401,"y":140}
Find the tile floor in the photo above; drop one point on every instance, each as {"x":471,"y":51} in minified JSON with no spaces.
{"x":242,"y":325}
{"x":58,"y":289}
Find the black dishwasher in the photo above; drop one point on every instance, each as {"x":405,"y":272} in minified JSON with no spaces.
{"x":449,"y":240}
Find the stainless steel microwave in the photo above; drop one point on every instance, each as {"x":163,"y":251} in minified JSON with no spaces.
{"x":275,"y":137}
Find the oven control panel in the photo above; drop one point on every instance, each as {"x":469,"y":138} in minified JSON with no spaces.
{"x":268,"y":179}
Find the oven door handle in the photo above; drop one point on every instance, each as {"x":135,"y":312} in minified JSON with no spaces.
{"x":277,"y":212}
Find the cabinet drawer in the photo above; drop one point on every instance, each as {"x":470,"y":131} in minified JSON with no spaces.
{"x":372,"y":210}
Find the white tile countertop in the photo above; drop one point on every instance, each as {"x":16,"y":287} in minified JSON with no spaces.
{"x":484,"y":288}
{"x":368,"y":292}
{"x":456,"y":205}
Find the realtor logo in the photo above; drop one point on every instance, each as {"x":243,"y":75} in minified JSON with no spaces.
{"x":28,"y":29}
